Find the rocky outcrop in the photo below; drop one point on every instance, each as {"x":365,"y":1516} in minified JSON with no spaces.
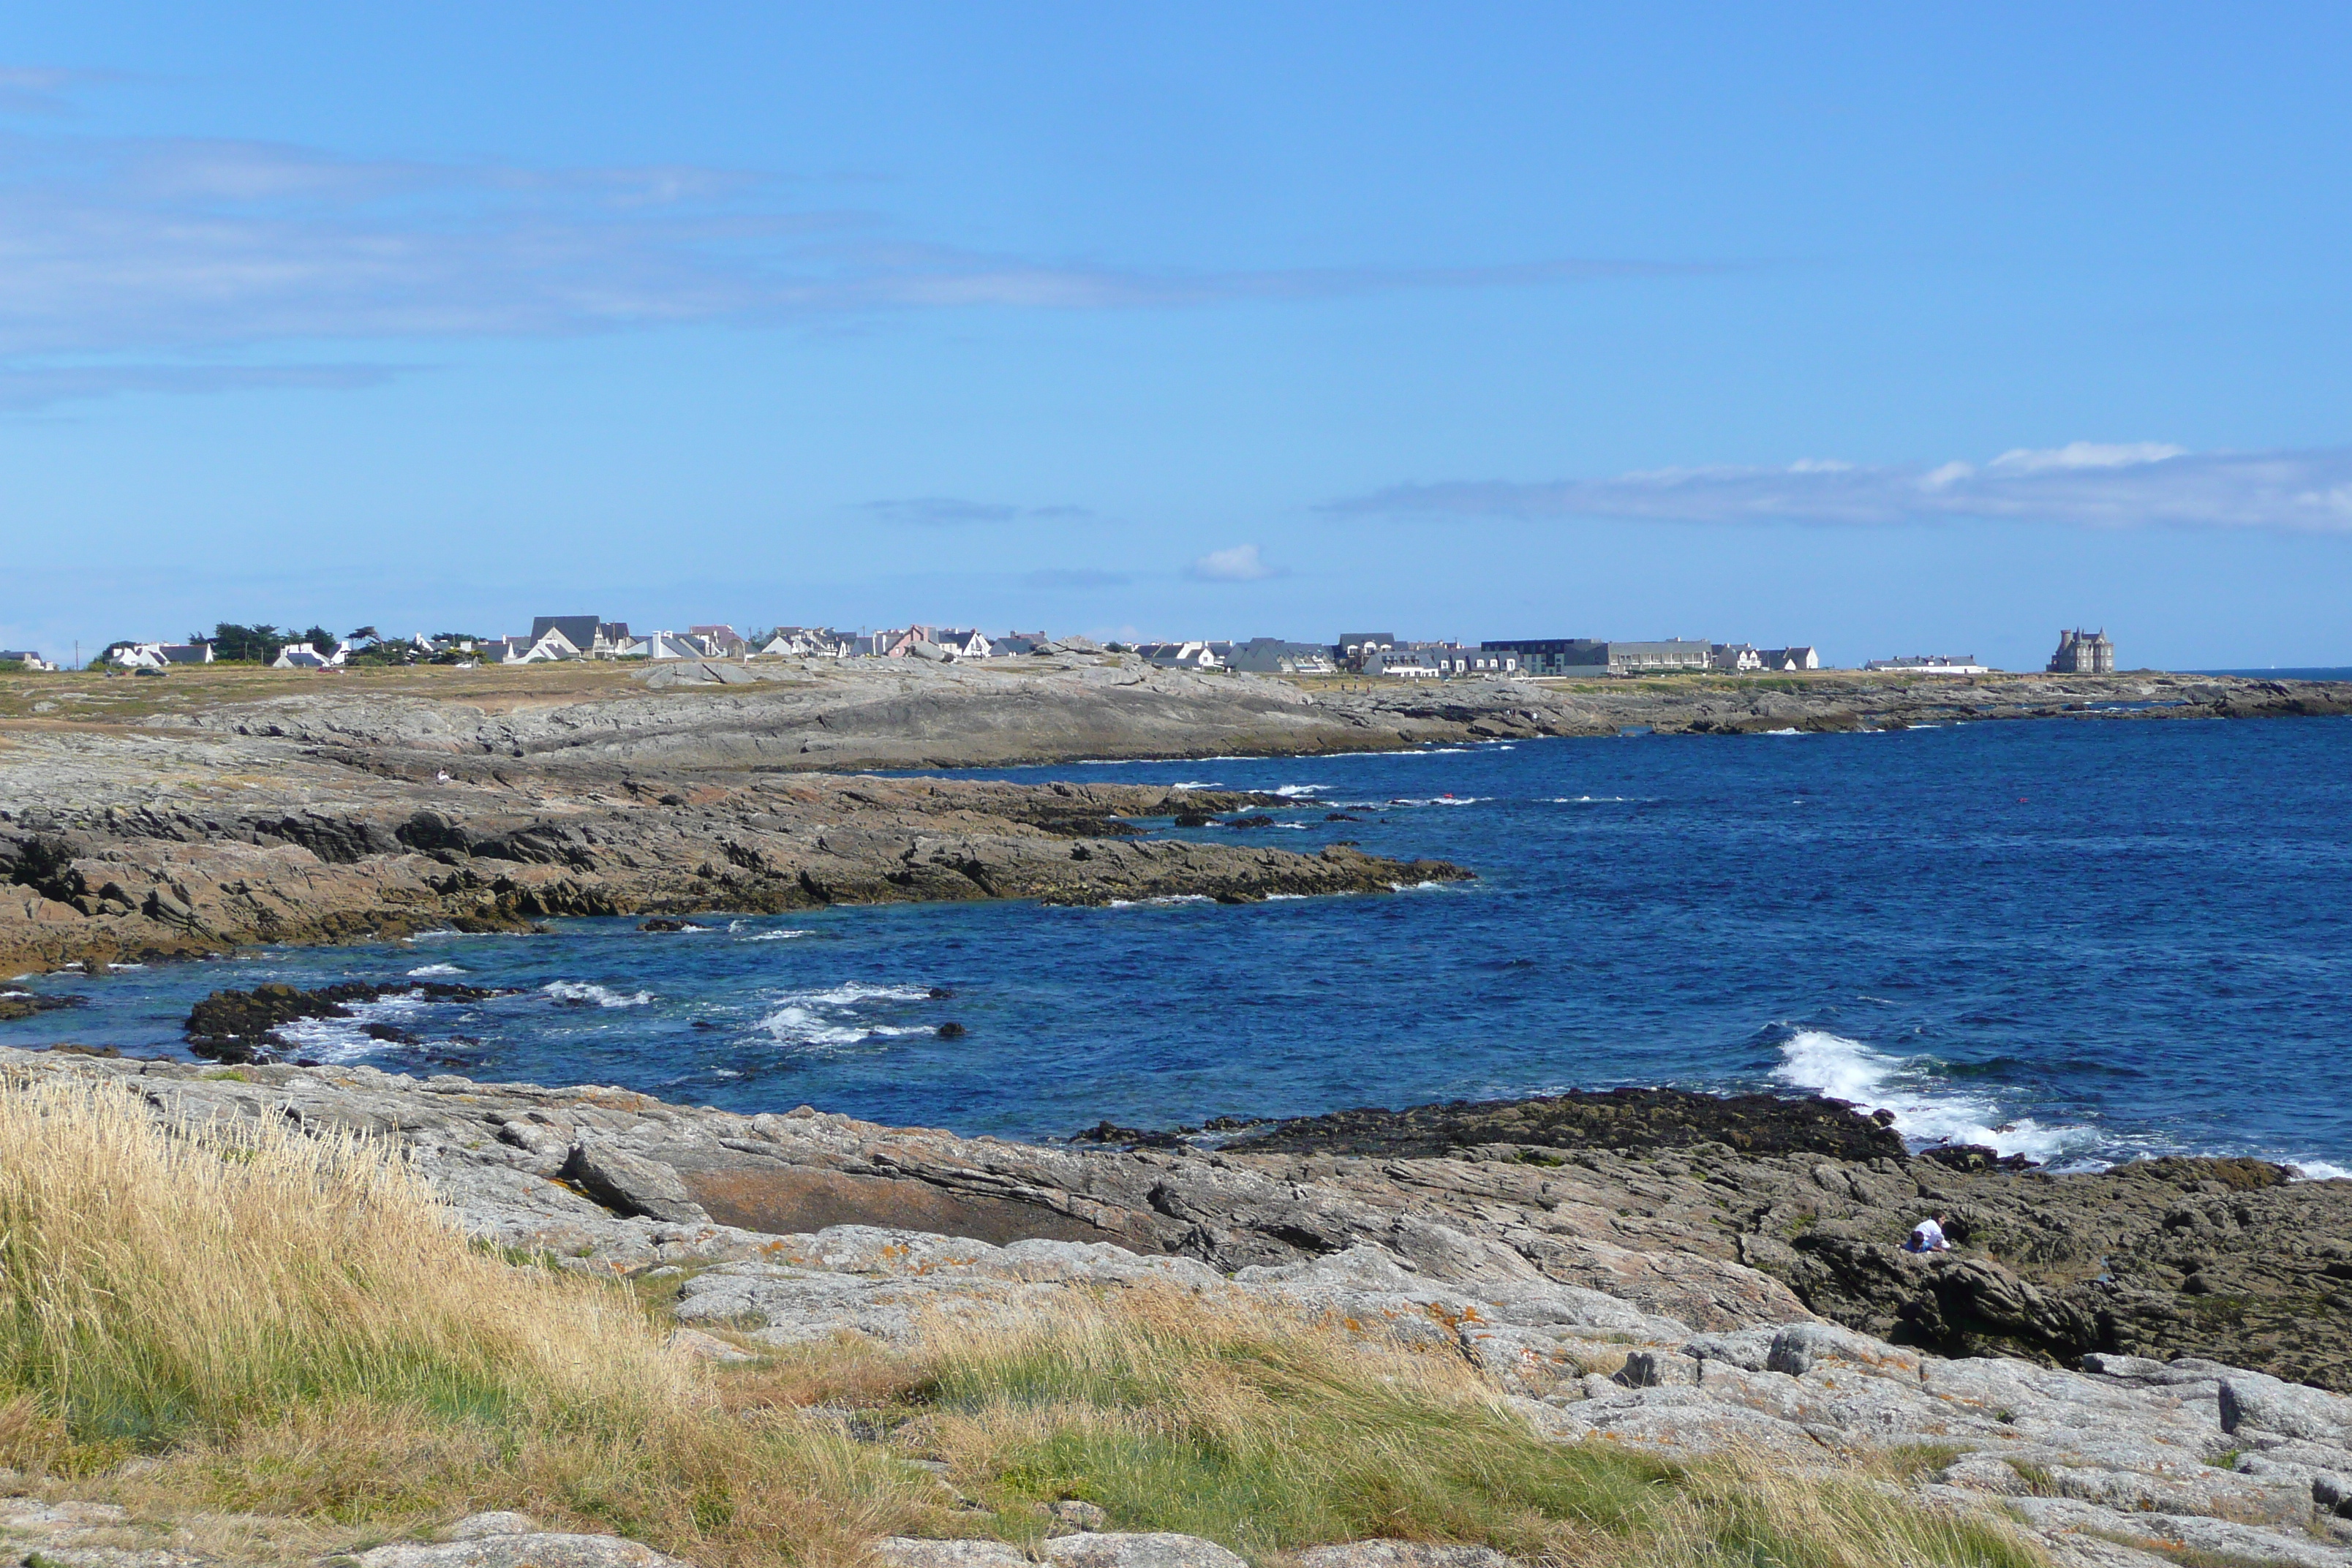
{"x":902,"y":713}
{"x":1621,"y":1119}
{"x":243,"y":1025}
{"x":1606,"y":1296}
{"x":2051,"y":1267}
{"x":368,"y":856}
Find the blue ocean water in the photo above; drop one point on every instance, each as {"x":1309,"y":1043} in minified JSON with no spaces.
{"x":2079,"y":940}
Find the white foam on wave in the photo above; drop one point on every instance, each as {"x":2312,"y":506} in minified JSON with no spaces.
{"x":824,"y":1019}
{"x":1162,"y":902}
{"x":1847,"y":1069}
{"x":1788,"y":731}
{"x":1286,"y":897}
{"x":1299,"y":792}
{"x":774,"y":935}
{"x":855,"y":992}
{"x":429,"y":970}
{"x":1197,"y":784}
{"x":2318,"y":1171}
{"x":1590,"y":799}
{"x":347,"y":1039}
{"x":583,"y":991}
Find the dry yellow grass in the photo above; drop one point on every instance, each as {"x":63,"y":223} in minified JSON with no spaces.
{"x":167,"y":1284}
{"x":294,"y":1326}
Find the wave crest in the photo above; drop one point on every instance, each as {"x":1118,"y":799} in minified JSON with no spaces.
{"x":1926,"y":1112}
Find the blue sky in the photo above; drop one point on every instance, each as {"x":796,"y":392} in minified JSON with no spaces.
{"x":1895,"y":335}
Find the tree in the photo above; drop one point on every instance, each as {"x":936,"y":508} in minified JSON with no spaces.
{"x":256,"y":644}
{"x":366,"y":634}
{"x":319,"y":638}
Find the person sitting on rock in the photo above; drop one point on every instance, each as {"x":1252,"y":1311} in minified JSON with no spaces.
{"x":1927,"y":1235}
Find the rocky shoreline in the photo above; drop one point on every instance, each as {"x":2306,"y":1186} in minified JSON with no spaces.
{"x":1722,"y":1212}
{"x":324,"y":854}
{"x":1673,"y":1293}
{"x":154,"y":819}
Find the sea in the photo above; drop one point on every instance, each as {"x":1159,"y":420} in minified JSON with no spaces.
{"x":2079,"y":940}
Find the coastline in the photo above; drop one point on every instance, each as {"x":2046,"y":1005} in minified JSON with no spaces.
{"x":800,"y":1278}
{"x":144,"y":820}
{"x":1723,"y":1213}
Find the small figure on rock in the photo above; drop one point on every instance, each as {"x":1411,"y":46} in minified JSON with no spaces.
{"x":1927,"y":1235}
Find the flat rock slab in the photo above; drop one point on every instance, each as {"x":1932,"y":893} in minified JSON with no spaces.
{"x":530,"y":1549}
{"x":914,"y":1551}
{"x":1400,"y":1555}
{"x":2182,"y":1533}
{"x":1116,"y":1549}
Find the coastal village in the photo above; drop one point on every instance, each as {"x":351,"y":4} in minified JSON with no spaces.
{"x":561,"y":638}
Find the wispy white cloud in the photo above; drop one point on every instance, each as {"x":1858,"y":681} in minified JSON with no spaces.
{"x":939,"y":511}
{"x":1074,"y":577}
{"x":42,"y":89}
{"x":953,"y":512}
{"x":190,"y":246}
{"x":37,"y":386}
{"x":1242,"y":564}
{"x":2084,"y":483}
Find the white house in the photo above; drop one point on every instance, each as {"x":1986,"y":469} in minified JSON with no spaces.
{"x":1411,"y":663}
{"x":549,"y":645}
{"x":807,"y":642}
{"x":721,"y":641}
{"x":1931,"y":664}
{"x":28,"y":657}
{"x":961,"y":643}
{"x":665,"y":645}
{"x":163,"y":655}
{"x":1179,"y":655}
{"x":302,"y":655}
{"x":1456,"y":663}
{"x":1790,"y":659}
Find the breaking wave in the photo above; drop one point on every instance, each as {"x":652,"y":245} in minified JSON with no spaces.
{"x":582,"y":991}
{"x":825,"y":1019}
{"x":1925,"y":1110}
{"x":346,"y":1039}
{"x":428,"y":971}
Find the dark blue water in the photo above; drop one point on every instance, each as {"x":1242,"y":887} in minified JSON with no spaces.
{"x":2077,"y":939}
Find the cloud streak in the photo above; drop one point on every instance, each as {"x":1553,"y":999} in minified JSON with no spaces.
{"x":1074,"y":577}
{"x":954,"y":511}
{"x":25,"y":388}
{"x":2084,"y":483}
{"x":190,"y":246}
